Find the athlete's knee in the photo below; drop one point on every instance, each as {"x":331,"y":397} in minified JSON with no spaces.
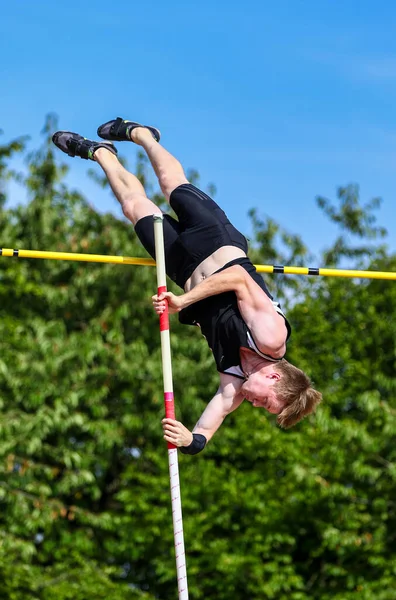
{"x":132,"y":205}
{"x":170,"y":181}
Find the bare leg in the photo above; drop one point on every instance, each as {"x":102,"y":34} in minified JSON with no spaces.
{"x":126,"y":187}
{"x":167,"y":168}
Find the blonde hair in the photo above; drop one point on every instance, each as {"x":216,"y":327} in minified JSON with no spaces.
{"x":294,"y":388}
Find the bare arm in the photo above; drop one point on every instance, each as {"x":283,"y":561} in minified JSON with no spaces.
{"x":267,"y":326}
{"x":226,"y":400}
{"x":229,"y":280}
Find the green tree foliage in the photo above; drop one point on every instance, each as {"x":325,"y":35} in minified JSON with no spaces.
{"x":306,"y":514}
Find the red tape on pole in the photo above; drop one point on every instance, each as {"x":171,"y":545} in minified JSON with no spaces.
{"x":169,"y":411}
{"x":169,"y":405}
{"x":164,"y":318}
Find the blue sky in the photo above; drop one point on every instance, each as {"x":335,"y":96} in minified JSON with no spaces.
{"x":273,"y":102}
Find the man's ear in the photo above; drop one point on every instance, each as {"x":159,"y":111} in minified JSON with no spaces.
{"x":274,"y":375}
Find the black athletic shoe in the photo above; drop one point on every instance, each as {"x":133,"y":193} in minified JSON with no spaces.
{"x":119,"y":130}
{"x":74,"y":144}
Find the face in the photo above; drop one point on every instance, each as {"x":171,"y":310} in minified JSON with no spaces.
{"x":259,"y":390}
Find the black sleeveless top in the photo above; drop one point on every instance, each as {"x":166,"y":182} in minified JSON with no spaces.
{"x":222,"y":325}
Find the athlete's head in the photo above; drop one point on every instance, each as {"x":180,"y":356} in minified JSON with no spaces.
{"x":284,"y":390}
{"x":293,"y":389}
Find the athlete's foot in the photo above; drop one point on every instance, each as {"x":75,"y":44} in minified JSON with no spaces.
{"x":74,"y":144}
{"x":120,"y":130}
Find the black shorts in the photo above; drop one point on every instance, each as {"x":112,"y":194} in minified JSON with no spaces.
{"x":201,"y":229}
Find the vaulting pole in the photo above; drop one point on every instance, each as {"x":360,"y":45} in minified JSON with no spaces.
{"x":130,"y":260}
{"x":170,"y":413}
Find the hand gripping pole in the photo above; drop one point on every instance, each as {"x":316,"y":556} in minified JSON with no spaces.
{"x":170,"y":413}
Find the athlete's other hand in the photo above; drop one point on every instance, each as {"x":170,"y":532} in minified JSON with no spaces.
{"x":176,"y":433}
{"x":175,"y":303}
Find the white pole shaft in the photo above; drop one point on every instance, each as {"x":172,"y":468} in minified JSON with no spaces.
{"x":170,"y":413}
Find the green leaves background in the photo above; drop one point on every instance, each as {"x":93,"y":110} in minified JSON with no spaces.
{"x":84,"y":488}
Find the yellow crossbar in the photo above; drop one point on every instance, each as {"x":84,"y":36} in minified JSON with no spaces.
{"x":129,"y":260}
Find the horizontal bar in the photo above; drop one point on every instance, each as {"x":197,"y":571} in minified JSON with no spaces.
{"x":149,"y":262}
{"x":96,"y":258}
{"x":327,"y":272}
